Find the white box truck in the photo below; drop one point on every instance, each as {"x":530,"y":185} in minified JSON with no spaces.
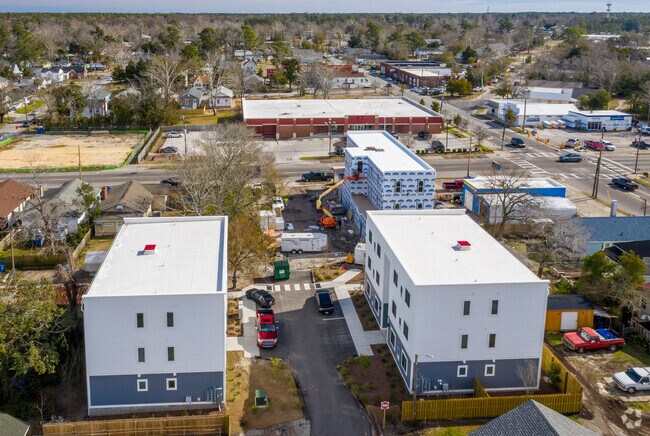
{"x":303,"y":242}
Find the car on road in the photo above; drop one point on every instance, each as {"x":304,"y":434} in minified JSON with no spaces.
{"x":424,"y":134}
{"x":168,"y":150}
{"x":174,"y":134}
{"x":624,"y":183}
{"x":324,"y":302}
{"x":277,"y":203}
{"x":172,"y":181}
{"x":642,"y":145}
{"x":589,"y":339}
{"x":34,"y":112}
{"x":594,"y":145}
{"x":317,"y":176}
{"x":267,"y":331}
{"x":571,"y":157}
{"x":632,"y":380}
{"x":608,"y":145}
{"x":517,"y":143}
{"x":261,"y":297}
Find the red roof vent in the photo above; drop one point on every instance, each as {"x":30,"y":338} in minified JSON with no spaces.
{"x":149,"y":249}
{"x":464,"y":245}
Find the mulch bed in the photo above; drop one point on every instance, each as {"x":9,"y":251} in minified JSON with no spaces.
{"x":363,"y":310}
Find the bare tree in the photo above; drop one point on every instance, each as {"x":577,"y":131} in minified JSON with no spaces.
{"x":561,"y":242}
{"x":321,"y":78}
{"x":222,"y":73}
{"x":163,"y":72}
{"x":528,"y":375}
{"x":407,"y":140}
{"x":480,"y":133}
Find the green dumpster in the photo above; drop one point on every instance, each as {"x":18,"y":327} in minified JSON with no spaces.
{"x":281,"y":269}
{"x":261,"y":400}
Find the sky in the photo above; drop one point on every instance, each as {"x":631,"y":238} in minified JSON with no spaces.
{"x":283,"y":6}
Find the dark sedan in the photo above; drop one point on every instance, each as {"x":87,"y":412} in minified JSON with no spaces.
{"x":324,"y":301}
{"x":571,"y":157}
{"x":517,"y":143}
{"x":261,"y":297}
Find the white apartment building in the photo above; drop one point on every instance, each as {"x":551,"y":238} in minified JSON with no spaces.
{"x":450,"y":294}
{"x":155,"y":317}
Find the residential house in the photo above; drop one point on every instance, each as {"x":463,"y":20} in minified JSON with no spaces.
{"x":249,"y":67}
{"x":97,"y":101}
{"x":533,"y":418}
{"x":253,"y":83}
{"x":16,"y":71}
{"x":3,"y":83}
{"x":10,"y":426}
{"x":454,"y":302}
{"x":603,"y":232}
{"x":54,"y":75}
{"x":250,"y":55}
{"x":59,"y":210}
{"x":428,"y":52}
{"x":191,"y":98}
{"x":222,"y":97}
{"x":641,"y":312}
{"x":202,"y":82}
{"x":344,"y":76}
{"x":75,"y":71}
{"x":128,"y":93}
{"x":308,"y":56}
{"x":393,"y":176}
{"x":130,"y":199}
{"x":160,"y":195}
{"x":13,"y":199}
{"x":155,"y":318}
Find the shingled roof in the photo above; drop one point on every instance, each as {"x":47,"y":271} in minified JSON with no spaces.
{"x":12,"y":194}
{"x":131,"y":194}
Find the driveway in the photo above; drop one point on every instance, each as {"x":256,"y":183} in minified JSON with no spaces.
{"x":314,"y":345}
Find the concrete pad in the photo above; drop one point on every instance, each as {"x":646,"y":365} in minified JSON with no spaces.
{"x":376,"y":337}
{"x":609,"y":389}
{"x":352,"y":320}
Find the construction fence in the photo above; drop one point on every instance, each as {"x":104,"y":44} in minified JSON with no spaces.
{"x":165,"y":426}
{"x":482,"y":405}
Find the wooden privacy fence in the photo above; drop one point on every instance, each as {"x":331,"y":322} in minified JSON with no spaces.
{"x":484,"y":406}
{"x":164,"y":426}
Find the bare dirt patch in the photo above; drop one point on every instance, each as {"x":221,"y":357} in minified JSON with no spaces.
{"x":60,"y":151}
{"x":234,"y":322}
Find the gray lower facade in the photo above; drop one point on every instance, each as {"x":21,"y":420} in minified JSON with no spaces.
{"x":130,"y":390}
{"x":379,"y":309}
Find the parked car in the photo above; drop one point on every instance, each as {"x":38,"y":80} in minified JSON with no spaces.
{"x":394,"y":134}
{"x":594,"y":145}
{"x":317,"y":176}
{"x":634,"y":379}
{"x":589,"y":339}
{"x":456,"y":185}
{"x":174,"y":134}
{"x":172,"y":181}
{"x":517,"y":143}
{"x":324,"y":301}
{"x":644,"y":130}
{"x":477,"y":89}
{"x":424,"y":134}
{"x":261,"y":297}
{"x":608,"y":145}
{"x":625,"y":183}
{"x":643,"y":145}
{"x":572,"y":143}
{"x":571,"y":157}
{"x":438,"y":146}
{"x":277,"y":203}
{"x":267,"y":331}
{"x":168,"y":150}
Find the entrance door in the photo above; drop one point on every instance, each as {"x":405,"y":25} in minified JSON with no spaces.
{"x":569,"y":321}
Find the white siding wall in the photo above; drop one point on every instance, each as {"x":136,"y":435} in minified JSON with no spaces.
{"x":112,"y":337}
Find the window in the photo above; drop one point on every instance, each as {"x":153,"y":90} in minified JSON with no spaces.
{"x":461,"y":371}
{"x":495,"y":307}
{"x":403,"y":361}
{"x":398,"y":186}
{"x":394,"y":309}
{"x":464,"y":339}
{"x":143,"y":385}
{"x":407,"y":297}
{"x":401,"y":291}
{"x":119,"y":207}
{"x":370,"y":236}
{"x":379,"y":251}
{"x":170,"y":319}
{"x":171,"y":384}
{"x":396,"y":206}
{"x":489,"y":370}
{"x":419,"y":206}
{"x":377,"y":277}
{"x":369,"y":263}
{"x":493,"y":340}
{"x":140,"y":318}
{"x":140,"y":354}
{"x":406,"y":331}
{"x":466,"y":307}
{"x":391,"y":337}
{"x":170,"y":354}
{"x":420,"y":186}
{"x":395,"y":277}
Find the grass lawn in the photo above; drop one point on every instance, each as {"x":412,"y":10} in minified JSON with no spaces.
{"x":93,"y":244}
{"x":200,"y":117}
{"x":324,"y":158}
{"x":244,"y":376}
{"x":328,"y":272}
{"x":20,"y":250}
{"x":460,"y":430}
{"x":555,"y":339}
{"x":30,"y":107}
{"x":632,"y":355}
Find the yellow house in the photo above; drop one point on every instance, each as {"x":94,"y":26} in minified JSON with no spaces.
{"x":568,"y":312}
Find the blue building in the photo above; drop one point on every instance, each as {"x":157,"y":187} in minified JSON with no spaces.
{"x":394,"y":177}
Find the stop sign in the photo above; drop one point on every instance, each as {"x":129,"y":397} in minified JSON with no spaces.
{"x":385,"y":405}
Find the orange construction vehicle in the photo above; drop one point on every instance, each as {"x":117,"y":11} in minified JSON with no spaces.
{"x":329,"y":221}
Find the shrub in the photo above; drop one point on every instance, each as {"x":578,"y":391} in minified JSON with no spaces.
{"x":344,"y":370}
{"x":276,"y":363}
{"x":377,"y":399}
{"x":363,"y":399}
{"x":554,"y":374}
{"x":365,"y":362}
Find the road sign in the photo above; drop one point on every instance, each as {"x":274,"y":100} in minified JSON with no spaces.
{"x":385,"y":405}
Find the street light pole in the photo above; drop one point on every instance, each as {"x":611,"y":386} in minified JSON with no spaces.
{"x":597,"y":176}
{"x":469,"y":156}
{"x":79,"y":155}
{"x":26,"y":117}
{"x":447,"y":120}
{"x":638,"y":148}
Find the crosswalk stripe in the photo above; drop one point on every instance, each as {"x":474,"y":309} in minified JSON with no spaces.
{"x":296,"y":287}
{"x":307,"y":286}
{"x":277,"y":288}
{"x":287,"y":287}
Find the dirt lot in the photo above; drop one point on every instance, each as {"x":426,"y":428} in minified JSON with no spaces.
{"x":59,"y":151}
{"x":603,"y":405}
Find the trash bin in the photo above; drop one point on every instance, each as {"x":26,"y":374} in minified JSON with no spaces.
{"x":2,"y":267}
{"x":281,"y":269}
{"x":261,"y":400}
{"x":40,"y":130}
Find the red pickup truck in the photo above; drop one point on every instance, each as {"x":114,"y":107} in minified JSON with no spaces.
{"x":456,"y":185}
{"x":267,"y":331}
{"x":589,"y":339}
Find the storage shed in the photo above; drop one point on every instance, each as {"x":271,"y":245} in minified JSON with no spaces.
{"x":568,"y":312}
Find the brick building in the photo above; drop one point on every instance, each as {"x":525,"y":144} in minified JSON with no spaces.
{"x":421,"y":74}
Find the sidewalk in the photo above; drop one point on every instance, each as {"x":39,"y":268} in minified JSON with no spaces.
{"x":248,"y":342}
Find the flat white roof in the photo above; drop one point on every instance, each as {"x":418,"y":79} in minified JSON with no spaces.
{"x":189,"y":258}
{"x":605,"y":113}
{"x":425,"y":243}
{"x":334,"y":108}
{"x":386,"y":152}
{"x":533,"y":108}
{"x":430,"y":72}
{"x":482,"y":182}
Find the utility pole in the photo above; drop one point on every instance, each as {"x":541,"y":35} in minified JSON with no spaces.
{"x":13,"y":261}
{"x":447,"y":120}
{"x":597,"y":176}
{"x":185,"y":133}
{"x":415,"y":386}
{"x":469,"y":156}
{"x":26,"y":117}
{"x":638,"y":148}
{"x":79,"y":155}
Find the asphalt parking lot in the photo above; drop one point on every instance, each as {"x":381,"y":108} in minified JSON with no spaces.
{"x":314,"y":345}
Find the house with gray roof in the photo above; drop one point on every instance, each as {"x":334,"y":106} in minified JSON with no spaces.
{"x":130,"y":199}
{"x":10,"y":426}
{"x":97,"y":101}
{"x":533,"y":419}
{"x":222,"y":97}
{"x":603,"y":232}
{"x":190,"y":98}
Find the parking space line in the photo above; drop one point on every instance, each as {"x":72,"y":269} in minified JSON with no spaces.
{"x":333,"y":319}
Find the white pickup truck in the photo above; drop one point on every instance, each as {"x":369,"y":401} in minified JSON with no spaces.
{"x":634,"y":379}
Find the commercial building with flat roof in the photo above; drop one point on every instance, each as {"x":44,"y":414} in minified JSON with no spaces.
{"x":284,"y":119}
{"x":598,"y":121}
{"x":536,"y":113}
{"x":417,"y":73}
{"x":155,"y":317}
{"x":393,"y":176}
{"x":453,"y":301}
